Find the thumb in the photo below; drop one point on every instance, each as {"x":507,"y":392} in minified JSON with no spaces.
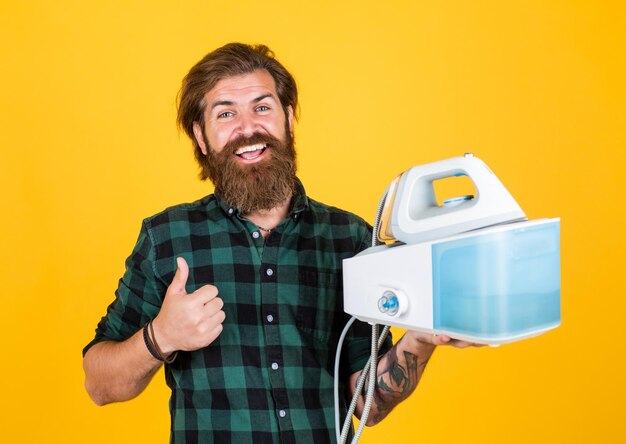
{"x":180,"y":278}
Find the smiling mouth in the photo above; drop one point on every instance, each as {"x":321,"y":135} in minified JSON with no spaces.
{"x":251,"y":152}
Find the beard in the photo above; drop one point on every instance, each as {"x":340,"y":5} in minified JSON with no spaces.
{"x":258,"y":186}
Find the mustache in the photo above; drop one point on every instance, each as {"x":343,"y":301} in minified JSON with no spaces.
{"x":254,"y":139}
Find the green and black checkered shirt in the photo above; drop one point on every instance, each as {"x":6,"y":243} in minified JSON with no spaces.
{"x":268,"y":377}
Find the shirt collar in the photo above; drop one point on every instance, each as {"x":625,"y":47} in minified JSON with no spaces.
{"x":299,"y":201}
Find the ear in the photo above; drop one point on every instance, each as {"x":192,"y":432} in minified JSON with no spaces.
{"x":290,"y":119}
{"x":197,"y":132}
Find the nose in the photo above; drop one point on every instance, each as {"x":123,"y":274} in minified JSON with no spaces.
{"x":247,"y":124}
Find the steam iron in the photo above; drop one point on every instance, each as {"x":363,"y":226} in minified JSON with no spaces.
{"x":473,"y":268}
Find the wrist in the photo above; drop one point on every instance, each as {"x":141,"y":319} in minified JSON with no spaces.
{"x":153,"y":346}
{"x":161,"y":338}
{"x":148,"y":343}
{"x":421,"y":342}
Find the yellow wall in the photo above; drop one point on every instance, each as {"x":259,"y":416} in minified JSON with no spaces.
{"x":89,"y":148}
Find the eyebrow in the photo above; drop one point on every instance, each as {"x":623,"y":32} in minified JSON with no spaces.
{"x":221,"y":102}
{"x":264,"y":96}
{"x":230,"y":103}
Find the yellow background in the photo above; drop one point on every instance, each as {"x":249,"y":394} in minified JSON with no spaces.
{"x":89,"y":148}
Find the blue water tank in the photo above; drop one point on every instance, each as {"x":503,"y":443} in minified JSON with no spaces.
{"x":500,"y":284}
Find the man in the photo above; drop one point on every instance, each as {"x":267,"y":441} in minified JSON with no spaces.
{"x":240,"y":292}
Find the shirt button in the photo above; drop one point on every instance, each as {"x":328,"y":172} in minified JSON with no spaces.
{"x":274,"y":365}
{"x":270,"y":318}
{"x":269,"y":272}
{"x":231,"y":210}
{"x":282,"y":413}
{"x":255,"y":234}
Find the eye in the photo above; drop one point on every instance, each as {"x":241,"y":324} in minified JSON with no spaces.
{"x":225,"y":115}
{"x":262,"y":108}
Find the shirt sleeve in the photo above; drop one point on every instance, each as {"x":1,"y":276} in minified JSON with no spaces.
{"x":138,"y":297}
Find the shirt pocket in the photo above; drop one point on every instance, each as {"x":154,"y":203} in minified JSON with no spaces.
{"x":320,"y":305}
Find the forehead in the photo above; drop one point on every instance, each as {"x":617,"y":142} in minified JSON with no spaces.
{"x":242,"y":88}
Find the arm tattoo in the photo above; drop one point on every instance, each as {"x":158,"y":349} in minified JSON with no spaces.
{"x":397,"y":381}
{"x":404,"y":378}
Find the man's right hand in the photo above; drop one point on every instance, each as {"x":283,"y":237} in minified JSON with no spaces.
{"x":188,"y":321}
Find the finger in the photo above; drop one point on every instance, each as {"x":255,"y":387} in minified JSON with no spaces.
{"x":441,"y":339}
{"x":213,"y":306}
{"x":465,"y":344}
{"x":218,"y":317}
{"x":215,"y":333}
{"x":180,"y":278}
{"x":206,"y":293}
{"x":459,"y":343}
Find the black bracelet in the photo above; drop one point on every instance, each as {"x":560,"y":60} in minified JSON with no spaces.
{"x":148,"y":344}
{"x":152,"y":339}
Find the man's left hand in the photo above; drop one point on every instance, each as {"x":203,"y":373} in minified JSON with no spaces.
{"x":434,"y":340}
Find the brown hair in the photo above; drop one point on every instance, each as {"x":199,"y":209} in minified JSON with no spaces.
{"x":230,"y":60}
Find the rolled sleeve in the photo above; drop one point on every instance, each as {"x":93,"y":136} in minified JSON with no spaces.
{"x":138,"y":297}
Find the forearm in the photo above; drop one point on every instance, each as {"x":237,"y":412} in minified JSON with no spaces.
{"x":399,"y":372}
{"x":118,"y":371}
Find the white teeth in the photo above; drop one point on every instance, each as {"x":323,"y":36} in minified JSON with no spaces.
{"x":247,"y":149}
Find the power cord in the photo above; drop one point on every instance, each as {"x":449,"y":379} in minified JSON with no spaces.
{"x":370,"y":366}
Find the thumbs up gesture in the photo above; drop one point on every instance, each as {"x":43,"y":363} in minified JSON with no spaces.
{"x":188,"y":321}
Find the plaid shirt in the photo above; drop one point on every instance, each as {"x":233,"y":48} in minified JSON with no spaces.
{"x":268,"y":377}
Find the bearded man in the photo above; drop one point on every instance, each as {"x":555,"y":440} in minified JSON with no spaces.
{"x":240,"y":293}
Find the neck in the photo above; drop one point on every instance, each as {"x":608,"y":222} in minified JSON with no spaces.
{"x":268,"y":219}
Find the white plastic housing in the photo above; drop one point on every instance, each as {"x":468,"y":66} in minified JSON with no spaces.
{"x":491,"y":286}
{"x":417,"y":217}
